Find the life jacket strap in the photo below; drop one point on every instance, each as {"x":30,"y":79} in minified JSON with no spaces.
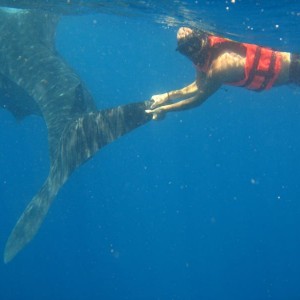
{"x":259,"y":79}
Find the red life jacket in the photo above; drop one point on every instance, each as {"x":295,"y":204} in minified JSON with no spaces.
{"x":262,"y":65}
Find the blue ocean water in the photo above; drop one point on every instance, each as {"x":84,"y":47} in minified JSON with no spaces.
{"x":204,"y":204}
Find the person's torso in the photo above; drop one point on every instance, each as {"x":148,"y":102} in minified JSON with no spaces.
{"x":245,"y":65}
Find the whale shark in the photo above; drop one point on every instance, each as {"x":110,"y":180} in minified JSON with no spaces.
{"x":35,"y":79}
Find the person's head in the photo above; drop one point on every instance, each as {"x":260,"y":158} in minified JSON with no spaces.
{"x":191,"y":43}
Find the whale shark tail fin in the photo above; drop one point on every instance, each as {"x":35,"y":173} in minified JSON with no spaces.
{"x":79,"y":141}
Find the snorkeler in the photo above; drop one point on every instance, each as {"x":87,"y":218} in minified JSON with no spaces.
{"x":221,"y":61}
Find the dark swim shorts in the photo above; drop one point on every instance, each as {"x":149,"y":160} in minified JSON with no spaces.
{"x":294,"y":75}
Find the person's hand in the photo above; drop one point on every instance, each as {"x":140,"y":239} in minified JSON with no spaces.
{"x":157,"y":113}
{"x":158,"y":100}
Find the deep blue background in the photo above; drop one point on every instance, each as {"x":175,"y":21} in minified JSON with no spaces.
{"x":202,"y":205}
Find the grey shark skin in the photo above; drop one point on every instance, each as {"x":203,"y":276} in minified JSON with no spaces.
{"x":34,"y":79}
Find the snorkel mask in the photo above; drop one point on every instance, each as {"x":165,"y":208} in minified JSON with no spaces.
{"x":193,"y":46}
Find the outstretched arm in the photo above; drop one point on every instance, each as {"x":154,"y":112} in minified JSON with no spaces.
{"x":200,"y":91}
{"x":173,"y":95}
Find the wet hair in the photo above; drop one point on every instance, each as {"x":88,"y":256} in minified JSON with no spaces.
{"x":194,"y":47}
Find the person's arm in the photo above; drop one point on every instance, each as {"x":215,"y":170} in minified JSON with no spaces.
{"x":173,"y":95}
{"x":202,"y":90}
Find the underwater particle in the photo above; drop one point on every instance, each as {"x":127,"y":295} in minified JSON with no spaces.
{"x":183,"y":186}
{"x":253,"y":181}
{"x":114,"y":253}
